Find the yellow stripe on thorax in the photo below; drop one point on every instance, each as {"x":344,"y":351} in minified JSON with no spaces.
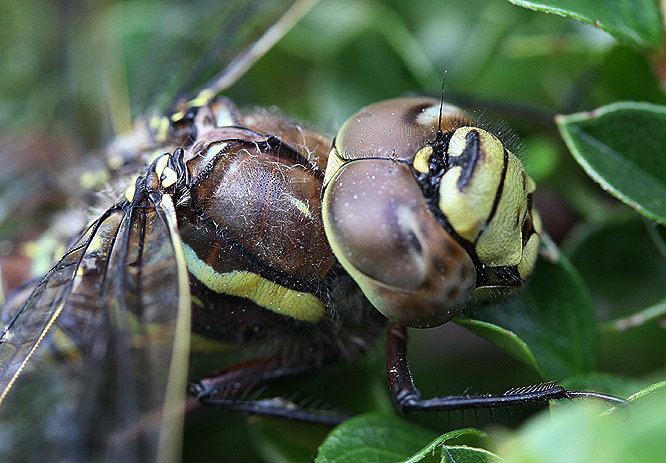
{"x":265,"y":293}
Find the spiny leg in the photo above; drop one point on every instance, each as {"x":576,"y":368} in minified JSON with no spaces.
{"x":226,"y":389}
{"x":408,"y":398}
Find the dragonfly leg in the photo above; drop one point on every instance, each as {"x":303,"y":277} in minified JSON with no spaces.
{"x":408,"y":398}
{"x":225,"y":390}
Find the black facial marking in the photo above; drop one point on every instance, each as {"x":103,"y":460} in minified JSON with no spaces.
{"x":508,"y":274}
{"x":438,"y":164}
{"x":498,"y":194}
{"x":469,"y":158}
{"x":528,"y":227}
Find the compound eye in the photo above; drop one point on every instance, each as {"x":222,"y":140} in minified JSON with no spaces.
{"x":383,"y":233}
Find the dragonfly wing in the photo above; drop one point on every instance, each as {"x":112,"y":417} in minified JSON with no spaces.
{"x":230,"y":37}
{"x":93,"y":366}
{"x":151,"y":303}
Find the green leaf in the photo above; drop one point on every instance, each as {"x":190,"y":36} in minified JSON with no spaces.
{"x":439,"y":451}
{"x":503,"y":338}
{"x":621,"y":146}
{"x":635,"y":22}
{"x":650,"y":314}
{"x":380,"y":438}
{"x":553,"y":315}
{"x":579,"y":433}
{"x":373,"y":437}
{"x":622,"y":266}
{"x":618,"y":386}
{"x":290,"y":441}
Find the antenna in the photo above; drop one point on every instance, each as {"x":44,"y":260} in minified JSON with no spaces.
{"x":441,"y":104}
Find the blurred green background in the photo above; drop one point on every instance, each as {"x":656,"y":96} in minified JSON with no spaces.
{"x":83,"y":64}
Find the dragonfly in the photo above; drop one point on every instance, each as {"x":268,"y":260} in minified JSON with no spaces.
{"x":250,"y":229}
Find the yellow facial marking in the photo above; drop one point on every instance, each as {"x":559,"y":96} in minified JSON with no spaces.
{"x":501,"y":241}
{"x":421,"y":160}
{"x":531,"y":249}
{"x":530,"y":254}
{"x":530,"y":185}
{"x":265,"y":293}
{"x":469,"y":209}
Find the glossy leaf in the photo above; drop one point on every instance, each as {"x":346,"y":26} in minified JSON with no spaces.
{"x":636,"y":22}
{"x":373,"y":438}
{"x":503,"y":338}
{"x":621,"y":147}
{"x":623,"y":268}
{"x":381,"y":438}
{"x":553,"y":315}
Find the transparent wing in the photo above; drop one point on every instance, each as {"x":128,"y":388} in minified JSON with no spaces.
{"x":93,"y":366}
{"x":153,"y":52}
{"x":210,"y":46}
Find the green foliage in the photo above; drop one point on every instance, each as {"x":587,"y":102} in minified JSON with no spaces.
{"x":593,"y":314}
{"x":579,"y":433}
{"x":621,"y":147}
{"x":372,"y":438}
{"x":553,"y":316}
{"x":635,"y":22}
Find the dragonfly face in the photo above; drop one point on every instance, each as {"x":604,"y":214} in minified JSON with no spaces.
{"x":422,"y":207}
